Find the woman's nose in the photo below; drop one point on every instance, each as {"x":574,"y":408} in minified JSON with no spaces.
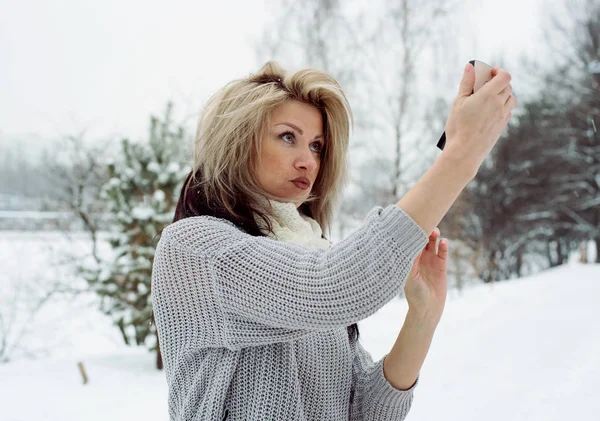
{"x":306,"y":160}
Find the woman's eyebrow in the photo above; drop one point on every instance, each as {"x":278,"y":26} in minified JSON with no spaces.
{"x":298,"y":129}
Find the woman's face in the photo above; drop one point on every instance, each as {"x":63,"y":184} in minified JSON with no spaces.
{"x":291,"y":151}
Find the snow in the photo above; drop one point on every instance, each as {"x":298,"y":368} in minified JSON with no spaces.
{"x":130,"y":173}
{"x":159,"y":196}
{"x":122,"y":386}
{"x":30,"y":264}
{"x":142,"y":212}
{"x":173,"y":168}
{"x":34,"y":214}
{"x":154,"y":167}
{"x":527,"y":349}
{"x":114,"y":182}
{"x":142,"y":288}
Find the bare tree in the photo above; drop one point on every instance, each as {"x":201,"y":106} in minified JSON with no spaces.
{"x":75,"y":171}
{"x":403,"y":36}
{"x":22,"y":302}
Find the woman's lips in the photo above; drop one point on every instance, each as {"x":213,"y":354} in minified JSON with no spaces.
{"x":301,"y":184}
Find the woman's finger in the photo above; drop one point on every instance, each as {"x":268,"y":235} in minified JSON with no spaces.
{"x":510,"y":103}
{"x":500,"y":80}
{"x":443,"y":249}
{"x":506,"y":93}
{"x":433,"y":239}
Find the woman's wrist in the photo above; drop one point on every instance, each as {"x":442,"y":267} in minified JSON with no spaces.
{"x":434,"y":193}
{"x":403,"y":363}
{"x":463,"y":165}
{"x":426,"y":318}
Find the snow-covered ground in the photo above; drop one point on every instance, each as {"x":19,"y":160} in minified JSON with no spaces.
{"x":527,"y":349}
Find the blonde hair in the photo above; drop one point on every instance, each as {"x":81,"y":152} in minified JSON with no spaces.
{"x":235,"y":120}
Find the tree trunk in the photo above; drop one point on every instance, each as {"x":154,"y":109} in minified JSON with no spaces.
{"x":159,"y":361}
{"x":559,"y":252}
{"x":519,"y":262}
{"x":564,"y":252}
{"x":549,"y":254}
{"x":121,"y":326}
{"x":597,"y":241}
{"x":583,"y":252}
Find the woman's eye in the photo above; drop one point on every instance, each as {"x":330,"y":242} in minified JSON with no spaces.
{"x":316,"y":147}
{"x":288,"y":135}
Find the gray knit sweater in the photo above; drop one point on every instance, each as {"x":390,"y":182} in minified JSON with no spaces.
{"x":251,"y":328}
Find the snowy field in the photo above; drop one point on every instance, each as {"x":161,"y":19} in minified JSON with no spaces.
{"x":527,"y":349}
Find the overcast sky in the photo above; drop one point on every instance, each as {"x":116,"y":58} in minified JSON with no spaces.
{"x":105,"y":65}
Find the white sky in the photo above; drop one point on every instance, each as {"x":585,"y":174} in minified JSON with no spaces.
{"x":105,"y":65}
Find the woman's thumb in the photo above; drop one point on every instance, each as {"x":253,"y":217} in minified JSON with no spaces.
{"x":468,"y":81}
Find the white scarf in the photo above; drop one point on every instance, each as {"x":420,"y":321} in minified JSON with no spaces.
{"x":294,"y":227}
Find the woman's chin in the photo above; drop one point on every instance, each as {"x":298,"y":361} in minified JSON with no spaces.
{"x":294,"y":197}
{"x":297,"y":197}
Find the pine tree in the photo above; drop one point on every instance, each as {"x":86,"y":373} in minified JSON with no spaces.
{"x":141,"y":194}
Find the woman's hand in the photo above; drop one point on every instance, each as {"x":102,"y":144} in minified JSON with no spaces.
{"x":426,"y":286}
{"x":425,"y":291}
{"x":477,"y":120}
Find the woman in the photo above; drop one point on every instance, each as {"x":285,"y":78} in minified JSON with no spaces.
{"x":256,"y":313}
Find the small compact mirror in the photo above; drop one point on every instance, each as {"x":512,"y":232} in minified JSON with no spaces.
{"x":483,"y":74}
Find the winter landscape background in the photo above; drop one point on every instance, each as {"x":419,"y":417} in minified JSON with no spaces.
{"x":97,"y":116}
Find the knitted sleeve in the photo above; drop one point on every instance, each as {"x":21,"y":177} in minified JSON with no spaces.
{"x":373,"y":397}
{"x":267,"y":291}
